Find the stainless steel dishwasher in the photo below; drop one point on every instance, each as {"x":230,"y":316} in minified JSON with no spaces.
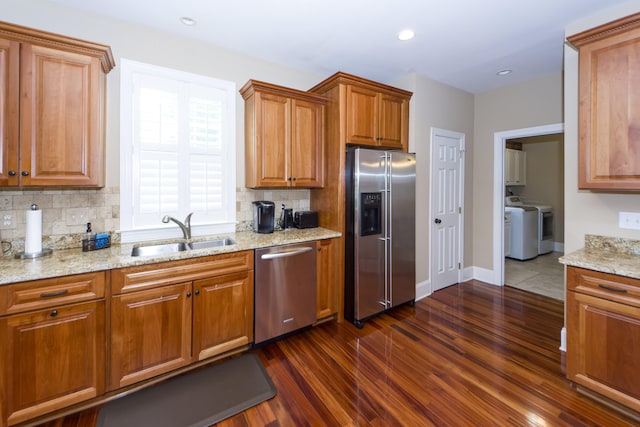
{"x":285,"y":289}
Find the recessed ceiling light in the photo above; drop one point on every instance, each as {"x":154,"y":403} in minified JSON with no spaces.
{"x":189,"y":22}
{"x":504,"y":72}
{"x":406,"y":35}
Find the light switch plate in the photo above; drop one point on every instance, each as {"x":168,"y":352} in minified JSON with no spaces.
{"x":630,"y":220}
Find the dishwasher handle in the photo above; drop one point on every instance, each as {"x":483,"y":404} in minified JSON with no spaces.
{"x":283,"y":254}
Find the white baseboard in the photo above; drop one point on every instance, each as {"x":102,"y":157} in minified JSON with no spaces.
{"x":423,"y":289}
{"x":563,"y":339}
{"x":467,"y":274}
{"x":484,"y":275}
{"x":558,"y":247}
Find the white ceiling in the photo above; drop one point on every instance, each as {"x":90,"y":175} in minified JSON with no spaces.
{"x":462,"y":43}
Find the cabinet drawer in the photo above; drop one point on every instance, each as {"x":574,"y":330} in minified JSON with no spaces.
{"x":603,"y":285}
{"x":39,"y":294}
{"x":132,"y":279}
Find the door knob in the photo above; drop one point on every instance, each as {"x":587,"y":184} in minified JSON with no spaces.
{"x":437,"y":221}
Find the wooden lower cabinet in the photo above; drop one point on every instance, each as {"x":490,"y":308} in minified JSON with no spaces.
{"x":326,"y":281}
{"x":222,"y":314}
{"x":150,"y":333}
{"x":168,"y":315}
{"x":51,"y":359}
{"x":603,"y":334}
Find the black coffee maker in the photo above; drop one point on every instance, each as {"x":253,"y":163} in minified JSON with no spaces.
{"x":263,"y":216}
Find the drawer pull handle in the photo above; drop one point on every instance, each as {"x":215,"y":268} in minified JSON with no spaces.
{"x":609,"y":288}
{"x":55,"y":294}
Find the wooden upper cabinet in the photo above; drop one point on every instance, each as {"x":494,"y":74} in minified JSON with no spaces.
{"x":375,"y":114}
{"x":53,"y":109}
{"x":374,"y":118}
{"x":9,"y":95}
{"x":362,"y":115}
{"x":284,"y":136}
{"x":609,"y":106}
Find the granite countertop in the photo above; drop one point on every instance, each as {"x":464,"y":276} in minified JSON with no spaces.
{"x":608,"y":255}
{"x":75,"y":261}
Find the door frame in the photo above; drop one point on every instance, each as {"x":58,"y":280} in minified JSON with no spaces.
{"x":499,"y":145}
{"x":462,"y":137}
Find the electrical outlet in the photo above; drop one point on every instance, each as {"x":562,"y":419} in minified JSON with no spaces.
{"x":7,"y":219}
{"x":630,"y":220}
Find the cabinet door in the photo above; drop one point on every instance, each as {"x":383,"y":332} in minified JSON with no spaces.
{"x":515,"y":167}
{"x":602,"y":341}
{"x":223,"y":314}
{"x":362,"y":116}
{"x":60,"y":127}
{"x":326,"y":271}
{"x":9,"y":123}
{"x":51,"y":359}
{"x":273,"y":138}
{"x":392,"y":121}
{"x":609,"y":113}
{"x":150,"y":333}
{"x":307,"y":145}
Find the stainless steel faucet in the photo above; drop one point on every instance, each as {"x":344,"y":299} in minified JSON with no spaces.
{"x":185,"y":227}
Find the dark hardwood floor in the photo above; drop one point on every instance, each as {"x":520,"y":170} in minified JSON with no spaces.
{"x":468,"y":355}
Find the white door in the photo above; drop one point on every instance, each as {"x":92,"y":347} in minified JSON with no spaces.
{"x":447,"y":166}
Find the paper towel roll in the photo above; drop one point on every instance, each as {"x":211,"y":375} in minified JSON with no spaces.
{"x":33,"y":235}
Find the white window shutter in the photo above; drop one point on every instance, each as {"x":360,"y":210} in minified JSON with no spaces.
{"x":183,"y":156}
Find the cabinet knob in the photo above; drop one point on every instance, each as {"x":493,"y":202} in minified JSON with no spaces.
{"x":188,"y":294}
{"x":12,"y":173}
{"x":25,"y":173}
{"x":197,"y":291}
{"x":54,"y":313}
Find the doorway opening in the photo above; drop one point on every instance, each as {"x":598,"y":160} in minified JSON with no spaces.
{"x":499,"y":191}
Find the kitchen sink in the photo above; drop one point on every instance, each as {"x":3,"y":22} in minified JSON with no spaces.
{"x":169,"y":248}
{"x":211,"y":243}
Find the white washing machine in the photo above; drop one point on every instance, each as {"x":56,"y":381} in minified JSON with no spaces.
{"x":545,"y":222}
{"x":524,"y":229}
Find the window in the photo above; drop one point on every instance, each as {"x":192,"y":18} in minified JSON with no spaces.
{"x":177,"y":152}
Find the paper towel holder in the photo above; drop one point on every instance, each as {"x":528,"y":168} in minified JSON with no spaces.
{"x":43,"y":252}
{"x":32,"y":255}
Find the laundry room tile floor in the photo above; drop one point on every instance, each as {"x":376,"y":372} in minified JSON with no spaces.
{"x":542,"y":275}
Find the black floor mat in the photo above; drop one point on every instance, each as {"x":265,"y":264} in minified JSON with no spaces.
{"x":195,"y":399}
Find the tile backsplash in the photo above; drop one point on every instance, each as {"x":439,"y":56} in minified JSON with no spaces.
{"x":65,"y":213}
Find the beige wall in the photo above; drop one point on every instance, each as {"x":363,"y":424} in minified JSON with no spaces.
{"x":437,"y":105}
{"x":589,"y":212}
{"x":536,"y":102}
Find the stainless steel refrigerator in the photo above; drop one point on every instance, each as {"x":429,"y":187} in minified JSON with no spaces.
{"x":380,"y":232}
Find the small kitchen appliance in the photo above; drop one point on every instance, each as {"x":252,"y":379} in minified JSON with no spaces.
{"x":305,"y":219}
{"x":263,"y":216}
{"x":287,"y":219}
